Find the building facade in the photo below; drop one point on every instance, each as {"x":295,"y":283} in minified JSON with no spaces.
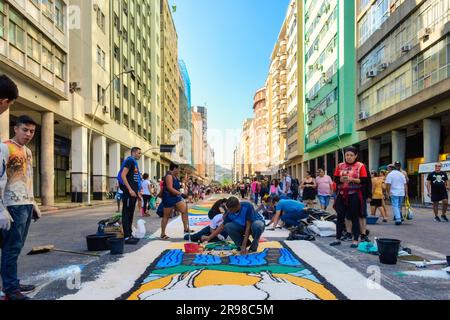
{"x":403,"y":83}
{"x":261,"y":129}
{"x":170,"y":77}
{"x":329,"y":81}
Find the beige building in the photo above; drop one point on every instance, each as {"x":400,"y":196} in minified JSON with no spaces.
{"x":170,"y":77}
{"x":276,"y":100}
{"x":198,"y":147}
{"x":295,"y":114}
{"x":68,"y":91}
{"x":260,"y":123}
{"x":34,"y":44}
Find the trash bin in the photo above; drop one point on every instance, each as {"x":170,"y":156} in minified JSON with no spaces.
{"x":116,"y":245}
{"x":388,"y":249}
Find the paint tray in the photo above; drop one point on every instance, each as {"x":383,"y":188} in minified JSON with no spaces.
{"x":192,"y":248}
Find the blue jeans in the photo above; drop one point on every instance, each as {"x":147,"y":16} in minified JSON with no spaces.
{"x":13,"y":242}
{"x":324,"y":200}
{"x":255,"y":197}
{"x":397,"y":203}
{"x":293,"y":218}
{"x":237,"y":232}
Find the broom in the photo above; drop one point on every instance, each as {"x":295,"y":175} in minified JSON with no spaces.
{"x":50,"y":247}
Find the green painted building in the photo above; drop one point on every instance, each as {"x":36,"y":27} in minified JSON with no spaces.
{"x":329,"y":81}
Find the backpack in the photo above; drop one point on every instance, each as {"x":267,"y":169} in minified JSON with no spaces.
{"x":295,"y":185}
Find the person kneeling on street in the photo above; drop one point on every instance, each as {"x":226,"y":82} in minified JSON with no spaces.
{"x":291,"y":212}
{"x":241,"y":221}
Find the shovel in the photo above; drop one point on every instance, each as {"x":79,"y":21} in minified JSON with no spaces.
{"x":50,"y":247}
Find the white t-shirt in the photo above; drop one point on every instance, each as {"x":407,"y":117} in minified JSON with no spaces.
{"x":146,"y":187}
{"x":397,"y":181}
{"x":216,"y":222}
{"x":287,"y":180}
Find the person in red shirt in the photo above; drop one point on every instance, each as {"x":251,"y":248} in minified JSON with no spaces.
{"x":351,"y":179}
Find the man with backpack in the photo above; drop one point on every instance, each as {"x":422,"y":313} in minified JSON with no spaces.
{"x":130,"y":182}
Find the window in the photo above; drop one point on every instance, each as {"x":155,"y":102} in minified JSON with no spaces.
{"x":33,"y":48}
{"x":60,"y":63}
{"x":47,"y":8}
{"x":100,"y":95}
{"x":116,"y":53}
{"x":117,"y":23}
{"x":59,"y":14}
{"x":47,"y":56}
{"x":125,"y":92}
{"x":101,"y":20}
{"x":16,"y":30}
{"x":2,"y":19}
{"x":101,"y":57}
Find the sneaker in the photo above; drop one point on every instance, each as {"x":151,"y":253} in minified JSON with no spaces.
{"x":27,"y":288}
{"x":16,"y":295}
{"x":398,"y":223}
{"x":347,"y":237}
{"x":385,"y":220}
{"x":335,"y":243}
{"x":365,"y":238}
{"x":131,"y":241}
{"x":444,"y":218}
{"x":437,"y":219}
{"x":354,"y":246}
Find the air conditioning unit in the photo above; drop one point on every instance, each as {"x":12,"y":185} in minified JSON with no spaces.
{"x":326,"y":80}
{"x":309,"y":122}
{"x":406,"y":48}
{"x":425,"y":32}
{"x":322,"y":112}
{"x":371,"y":74}
{"x":307,"y":100}
{"x":363,"y":115}
{"x":383,"y":66}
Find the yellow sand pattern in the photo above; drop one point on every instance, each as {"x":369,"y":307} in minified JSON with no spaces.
{"x":223,"y":278}
{"x":318,"y":289}
{"x":152,"y":285}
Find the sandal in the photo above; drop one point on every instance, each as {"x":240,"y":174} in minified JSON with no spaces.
{"x":165,"y":237}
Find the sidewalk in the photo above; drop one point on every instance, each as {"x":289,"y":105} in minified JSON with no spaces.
{"x":73,"y":205}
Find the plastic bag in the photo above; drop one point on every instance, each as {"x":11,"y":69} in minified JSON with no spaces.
{"x":140,"y":231}
{"x":409,"y":215}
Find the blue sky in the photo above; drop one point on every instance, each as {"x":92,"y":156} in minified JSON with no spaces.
{"x":226,"y":45}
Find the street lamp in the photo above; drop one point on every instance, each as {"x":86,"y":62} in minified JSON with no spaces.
{"x":90,"y":131}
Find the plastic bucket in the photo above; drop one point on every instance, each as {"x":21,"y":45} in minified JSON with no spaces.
{"x":99,"y":242}
{"x":191,"y":247}
{"x":116,"y":245}
{"x":388,"y":249}
{"x":372,"y":220}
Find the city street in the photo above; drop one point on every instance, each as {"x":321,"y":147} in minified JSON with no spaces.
{"x":128,"y":277}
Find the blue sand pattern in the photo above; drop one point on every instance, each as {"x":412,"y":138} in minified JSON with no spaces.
{"x":171,"y":259}
{"x":287,"y":259}
{"x":250,"y":259}
{"x":307,"y":275}
{"x":207,"y":259}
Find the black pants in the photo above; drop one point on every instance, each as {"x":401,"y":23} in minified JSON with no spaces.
{"x":350,"y":210}
{"x":146,"y":204}
{"x":128,"y":207}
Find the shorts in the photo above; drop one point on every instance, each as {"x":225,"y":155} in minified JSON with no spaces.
{"x":324,"y":200}
{"x":376,"y":203}
{"x":170,"y":202}
{"x":439,"y":195}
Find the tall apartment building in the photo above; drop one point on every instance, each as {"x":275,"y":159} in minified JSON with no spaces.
{"x":403,"y":84}
{"x":170,"y":76}
{"x":276,"y":101}
{"x":295,"y":108}
{"x":183,"y":153}
{"x":260,"y":123}
{"x":198,"y":145}
{"x":329,"y":81}
{"x":34,"y":44}
{"x":114,"y":38}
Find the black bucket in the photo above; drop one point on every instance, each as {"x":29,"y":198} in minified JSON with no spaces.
{"x":388,"y":249}
{"x":116,"y":245}
{"x":99,"y":242}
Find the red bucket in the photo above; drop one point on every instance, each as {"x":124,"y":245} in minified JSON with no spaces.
{"x":191,"y":248}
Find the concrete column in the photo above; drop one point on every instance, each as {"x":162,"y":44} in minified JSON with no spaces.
{"x":141,"y":164}
{"x":114,"y":164}
{"x":48,"y":159}
{"x":148,"y":167}
{"x":79,"y":164}
{"x":153,"y":170}
{"x":374,"y":154}
{"x":431,"y":139}
{"x":126,"y":153}
{"x":99,"y":167}
{"x":4,"y":126}
{"x":325,"y":162}
{"x":399,"y":146}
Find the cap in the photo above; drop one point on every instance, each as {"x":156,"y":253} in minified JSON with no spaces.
{"x":397,"y":163}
